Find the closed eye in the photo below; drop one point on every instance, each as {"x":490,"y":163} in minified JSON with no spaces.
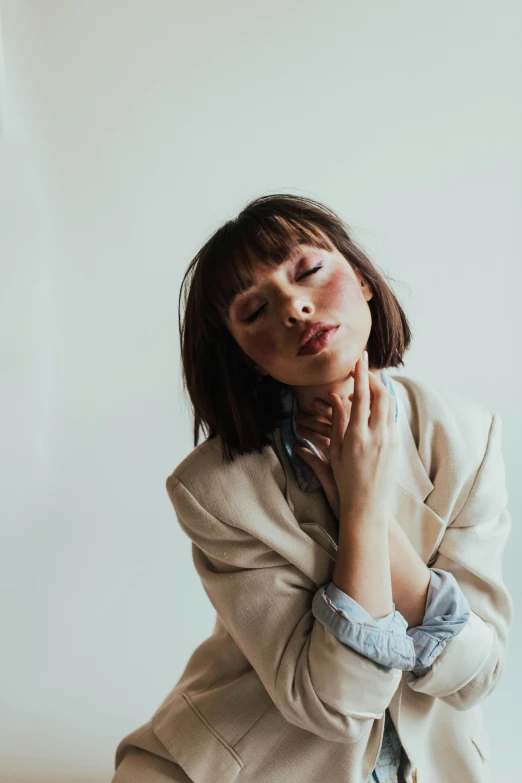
{"x":253,"y":317}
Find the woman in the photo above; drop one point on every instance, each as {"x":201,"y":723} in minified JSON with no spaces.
{"x":352,"y":552}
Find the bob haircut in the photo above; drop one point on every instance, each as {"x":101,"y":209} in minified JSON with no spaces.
{"x":230,"y":398}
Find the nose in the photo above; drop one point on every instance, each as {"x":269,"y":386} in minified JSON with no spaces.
{"x":293,"y":310}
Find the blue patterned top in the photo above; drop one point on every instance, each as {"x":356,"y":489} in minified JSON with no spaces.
{"x":386,"y":640}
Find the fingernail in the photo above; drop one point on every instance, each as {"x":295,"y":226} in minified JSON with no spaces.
{"x":365,"y":357}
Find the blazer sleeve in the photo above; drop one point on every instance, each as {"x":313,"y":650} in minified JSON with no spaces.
{"x":469,"y":666}
{"x":265,"y":602}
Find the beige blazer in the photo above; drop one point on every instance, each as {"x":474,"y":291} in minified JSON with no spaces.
{"x":272,"y":696}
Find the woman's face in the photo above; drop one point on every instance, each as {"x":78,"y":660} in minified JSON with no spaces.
{"x":268,"y":319}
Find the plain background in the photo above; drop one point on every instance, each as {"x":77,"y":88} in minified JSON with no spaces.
{"x":129,"y":132}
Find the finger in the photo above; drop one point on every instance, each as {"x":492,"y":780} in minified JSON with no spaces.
{"x":361,"y":396}
{"x":323,"y":409}
{"x":318,"y":465}
{"x":321,"y":441}
{"x":339,"y":424}
{"x":326,"y":410}
{"x":314,"y":423}
{"x":380,"y":402}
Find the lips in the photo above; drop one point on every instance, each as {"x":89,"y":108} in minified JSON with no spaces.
{"x":320,"y":340}
{"x":309,"y":333}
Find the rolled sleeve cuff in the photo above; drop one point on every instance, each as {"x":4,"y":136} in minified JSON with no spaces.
{"x":383,"y":640}
{"x":447,"y":612}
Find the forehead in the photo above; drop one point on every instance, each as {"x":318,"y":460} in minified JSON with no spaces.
{"x":298,"y":253}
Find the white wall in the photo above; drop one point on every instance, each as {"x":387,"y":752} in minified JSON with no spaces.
{"x":129,"y":132}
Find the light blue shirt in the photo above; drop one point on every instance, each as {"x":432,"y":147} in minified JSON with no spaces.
{"x":387,"y":640}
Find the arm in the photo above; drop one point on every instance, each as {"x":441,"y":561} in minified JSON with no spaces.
{"x":265,"y":602}
{"x":362,"y":565}
{"x":367,"y":560}
{"x":361,"y":583}
{"x":461,"y":640}
{"x":410,"y":575}
{"x":470,"y":664}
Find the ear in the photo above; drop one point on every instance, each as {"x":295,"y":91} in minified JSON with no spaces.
{"x":365,"y":288}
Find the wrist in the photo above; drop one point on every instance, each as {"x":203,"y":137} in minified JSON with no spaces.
{"x":354,"y":518}
{"x":366,"y":511}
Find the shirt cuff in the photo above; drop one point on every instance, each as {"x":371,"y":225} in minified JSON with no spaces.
{"x":447,"y":612}
{"x":382,"y":639}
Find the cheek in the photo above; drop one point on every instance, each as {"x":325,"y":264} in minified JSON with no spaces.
{"x":261,"y":347}
{"x":340,"y":292}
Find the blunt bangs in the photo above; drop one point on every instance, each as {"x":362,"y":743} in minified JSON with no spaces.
{"x":242,"y":243}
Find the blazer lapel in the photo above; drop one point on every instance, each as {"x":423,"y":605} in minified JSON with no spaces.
{"x":411,"y":473}
{"x":423,"y":526}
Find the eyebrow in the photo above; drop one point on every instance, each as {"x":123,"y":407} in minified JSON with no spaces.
{"x":248,"y":284}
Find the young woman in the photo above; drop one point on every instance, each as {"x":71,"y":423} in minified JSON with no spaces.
{"x":352,"y":552}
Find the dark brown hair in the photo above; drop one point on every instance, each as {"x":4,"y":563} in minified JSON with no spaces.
{"x":230,"y":398}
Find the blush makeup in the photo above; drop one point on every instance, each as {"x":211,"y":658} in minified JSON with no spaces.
{"x":261,"y":347}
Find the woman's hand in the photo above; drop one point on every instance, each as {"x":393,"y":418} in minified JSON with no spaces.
{"x":318,"y":430}
{"x":357,"y":471}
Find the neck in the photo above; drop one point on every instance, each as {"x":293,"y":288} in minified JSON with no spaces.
{"x":306,"y":395}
